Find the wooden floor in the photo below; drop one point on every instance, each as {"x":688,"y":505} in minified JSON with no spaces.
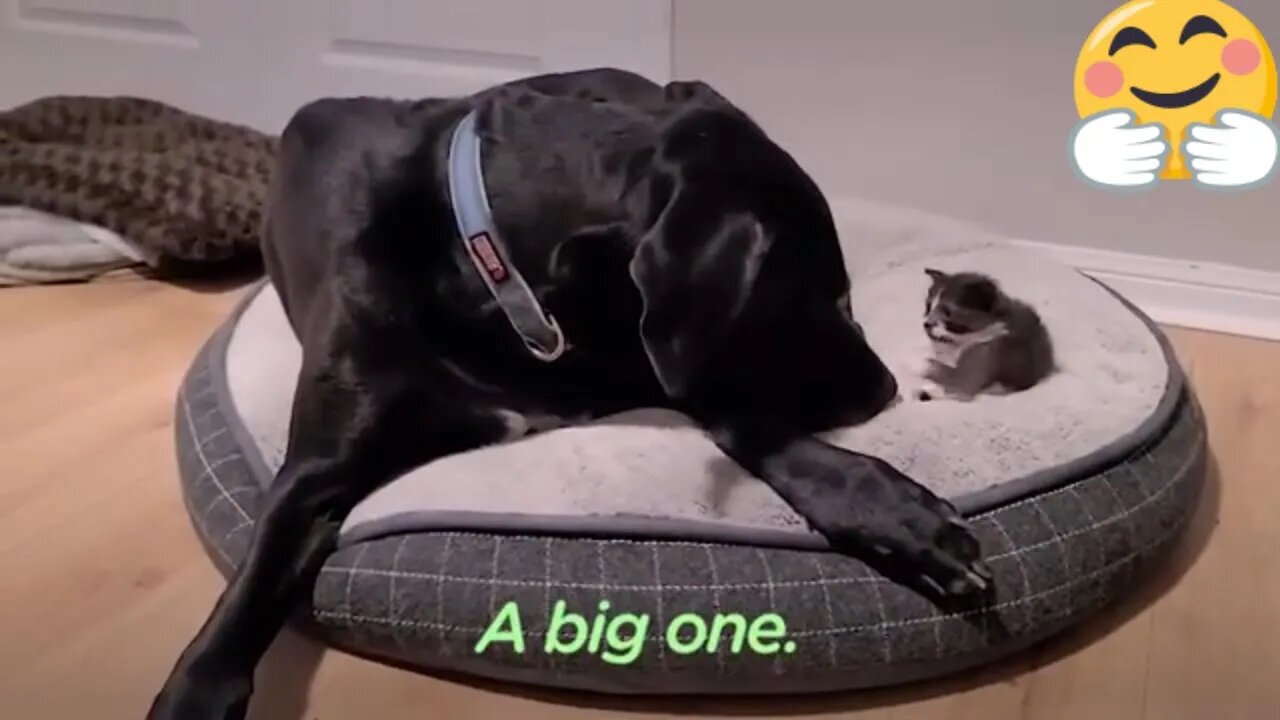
{"x":103,"y":581}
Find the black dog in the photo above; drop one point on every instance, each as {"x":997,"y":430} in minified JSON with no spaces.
{"x":674,"y":256}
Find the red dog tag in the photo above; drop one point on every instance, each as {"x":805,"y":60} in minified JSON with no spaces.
{"x":482,"y":249}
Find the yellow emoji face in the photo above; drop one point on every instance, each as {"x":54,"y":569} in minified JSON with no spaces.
{"x":1175,"y":62}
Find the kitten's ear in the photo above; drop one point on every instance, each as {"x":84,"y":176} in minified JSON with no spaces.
{"x":935,"y":288}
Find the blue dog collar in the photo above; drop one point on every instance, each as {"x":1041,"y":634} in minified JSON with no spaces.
{"x":539,"y":330}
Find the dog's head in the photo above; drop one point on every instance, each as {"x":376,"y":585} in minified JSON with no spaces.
{"x":745,"y":290}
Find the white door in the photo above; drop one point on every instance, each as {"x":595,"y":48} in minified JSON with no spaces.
{"x":256,"y":61}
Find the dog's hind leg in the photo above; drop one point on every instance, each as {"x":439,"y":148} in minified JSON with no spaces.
{"x":349,"y":434}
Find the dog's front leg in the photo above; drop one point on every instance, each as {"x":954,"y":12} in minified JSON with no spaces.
{"x":866,"y":508}
{"x":346,"y":438}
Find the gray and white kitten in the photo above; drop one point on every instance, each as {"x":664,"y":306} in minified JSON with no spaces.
{"x":980,"y":339}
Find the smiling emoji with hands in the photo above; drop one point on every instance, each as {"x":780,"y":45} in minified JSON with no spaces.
{"x":1175,"y":90}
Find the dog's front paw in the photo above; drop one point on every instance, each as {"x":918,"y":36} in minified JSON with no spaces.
{"x":910,"y":535}
{"x":930,"y":547}
{"x":185,"y":697}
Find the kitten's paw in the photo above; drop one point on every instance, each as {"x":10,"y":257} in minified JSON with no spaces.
{"x":922,"y":366}
{"x":930,"y":390}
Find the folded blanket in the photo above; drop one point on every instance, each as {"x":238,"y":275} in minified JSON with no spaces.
{"x":186,"y":190}
{"x":36,"y":248}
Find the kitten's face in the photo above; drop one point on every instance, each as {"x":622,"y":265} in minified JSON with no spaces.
{"x":960,"y":309}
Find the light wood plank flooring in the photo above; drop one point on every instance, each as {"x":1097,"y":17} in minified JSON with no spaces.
{"x":103,"y":581}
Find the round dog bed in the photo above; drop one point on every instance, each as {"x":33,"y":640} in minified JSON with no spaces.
{"x":540,"y":560}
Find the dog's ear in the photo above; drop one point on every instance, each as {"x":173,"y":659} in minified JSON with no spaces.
{"x":695,"y":271}
{"x":685,"y":91}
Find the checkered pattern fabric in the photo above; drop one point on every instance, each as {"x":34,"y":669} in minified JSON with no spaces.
{"x":426,"y":599}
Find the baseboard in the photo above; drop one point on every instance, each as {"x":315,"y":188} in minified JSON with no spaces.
{"x":1184,"y":293}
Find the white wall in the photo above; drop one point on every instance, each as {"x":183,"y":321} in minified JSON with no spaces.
{"x":256,"y":61}
{"x":960,"y":108}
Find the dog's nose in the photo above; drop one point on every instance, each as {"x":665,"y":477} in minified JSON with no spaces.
{"x":888,"y":391}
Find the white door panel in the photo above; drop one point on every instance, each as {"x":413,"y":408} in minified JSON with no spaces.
{"x":165,"y":22}
{"x":409,"y":49}
{"x":459,"y":25}
{"x":406,"y":49}
{"x":256,"y":61}
{"x":196,"y":54}
{"x":58,"y":46}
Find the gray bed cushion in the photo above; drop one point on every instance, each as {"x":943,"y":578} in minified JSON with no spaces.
{"x":1065,"y":533}
{"x":651,"y":473}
